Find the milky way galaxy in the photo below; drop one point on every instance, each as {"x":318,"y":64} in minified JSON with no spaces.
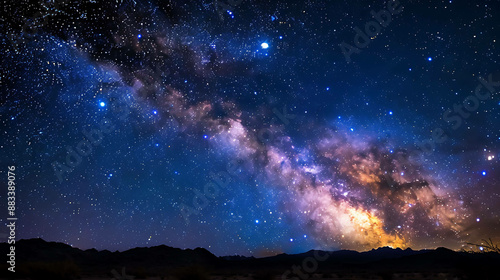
{"x":242,"y":128}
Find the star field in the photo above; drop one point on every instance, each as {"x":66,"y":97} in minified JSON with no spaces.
{"x":252,"y":127}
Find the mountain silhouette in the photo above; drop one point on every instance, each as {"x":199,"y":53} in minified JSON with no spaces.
{"x":39,"y":259}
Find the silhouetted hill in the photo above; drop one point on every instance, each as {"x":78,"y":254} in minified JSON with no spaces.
{"x":94,"y":262}
{"x":39,"y":255}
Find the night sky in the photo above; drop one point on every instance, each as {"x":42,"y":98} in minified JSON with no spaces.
{"x":252,"y":127}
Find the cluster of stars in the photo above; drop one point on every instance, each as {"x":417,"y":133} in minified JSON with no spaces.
{"x":335,"y":167}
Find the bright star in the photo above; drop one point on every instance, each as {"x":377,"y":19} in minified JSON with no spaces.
{"x":155,"y":112}
{"x":139,"y":36}
{"x":264,"y":45}
{"x":256,"y":221}
{"x":484,"y":173}
{"x":102,"y":104}
{"x":429,"y":58}
{"x":390,"y":112}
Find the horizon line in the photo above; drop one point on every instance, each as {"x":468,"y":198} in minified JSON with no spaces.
{"x":235,"y":255}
